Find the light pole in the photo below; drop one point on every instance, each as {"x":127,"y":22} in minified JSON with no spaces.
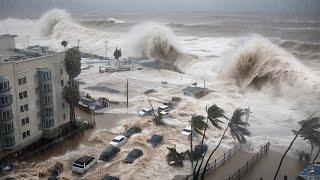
{"x":92,"y":107}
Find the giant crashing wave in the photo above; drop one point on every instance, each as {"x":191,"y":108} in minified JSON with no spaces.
{"x":150,"y":40}
{"x":265,"y":66}
{"x":158,"y":42}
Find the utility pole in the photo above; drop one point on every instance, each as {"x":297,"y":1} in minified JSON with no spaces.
{"x":106,"y":48}
{"x":127,"y":94}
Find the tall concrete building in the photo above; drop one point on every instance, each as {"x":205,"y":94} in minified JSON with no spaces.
{"x":31,"y":100}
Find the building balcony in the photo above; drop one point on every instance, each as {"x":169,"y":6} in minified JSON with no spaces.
{"x":2,"y":91}
{"x":8,"y":141}
{"x":9,"y":103}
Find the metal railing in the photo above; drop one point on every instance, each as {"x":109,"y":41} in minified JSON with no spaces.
{"x":216,"y":163}
{"x":250,"y":163}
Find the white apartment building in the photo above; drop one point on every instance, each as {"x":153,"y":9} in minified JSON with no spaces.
{"x":31,"y":100}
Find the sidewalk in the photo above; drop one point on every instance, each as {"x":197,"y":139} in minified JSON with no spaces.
{"x":267,"y":166}
{"x":231,"y":166}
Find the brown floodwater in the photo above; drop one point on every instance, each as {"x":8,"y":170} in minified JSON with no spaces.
{"x":103,"y":121}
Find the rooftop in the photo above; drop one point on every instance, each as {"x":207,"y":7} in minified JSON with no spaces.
{"x":194,"y":89}
{"x":7,"y":35}
{"x":9,"y":55}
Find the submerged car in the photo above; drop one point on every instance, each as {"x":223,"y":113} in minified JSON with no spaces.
{"x":186,"y":131}
{"x":155,"y":140}
{"x":107,"y":177}
{"x":56,"y":172}
{"x":117,"y":141}
{"x":145,"y":112}
{"x":83,"y":164}
{"x":133,"y":155}
{"x":109,"y":153}
{"x":133,"y":130}
{"x":199,"y":151}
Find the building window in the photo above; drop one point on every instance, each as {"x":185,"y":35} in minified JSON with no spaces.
{"x":63,"y":105}
{"x":22,"y":80}
{"x":61,"y":71}
{"x":23,"y":94}
{"x":25,"y":121}
{"x":26,"y":134}
{"x":46,"y":88}
{"x":62,"y":83}
{"x":24,"y":108}
{"x":64,"y":115}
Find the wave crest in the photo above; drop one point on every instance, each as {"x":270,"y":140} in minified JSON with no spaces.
{"x":158,"y":42}
{"x":259,"y":62}
{"x":50,"y":19}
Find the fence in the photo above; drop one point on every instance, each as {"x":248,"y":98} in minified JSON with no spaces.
{"x":250,"y":163}
{"x":212,"y":166}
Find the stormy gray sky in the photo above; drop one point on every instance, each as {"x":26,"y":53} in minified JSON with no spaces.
{"x":29,"y":8}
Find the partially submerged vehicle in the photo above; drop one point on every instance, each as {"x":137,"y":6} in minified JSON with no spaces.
{"x":145,"y":112}
{"x":186,"y":131}
{"x":155,"y":140}
{"x":118,"y":141}
{"x":56,"y":172}
{"x":109,"y":153}
{"x":133,"y":155}
{"x":133,"y":130}
{"x":83,"y":164}
{"x":199,"y":151}
{"x":107,"y":177}
{"x":164,"y":109}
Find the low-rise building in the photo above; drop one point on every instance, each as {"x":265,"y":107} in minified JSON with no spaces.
{"x":194,"y":91}
{"x":31,"y":100}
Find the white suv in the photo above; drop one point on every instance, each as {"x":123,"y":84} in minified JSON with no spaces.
{"x":117,"y":141}
{"x":83,"y":164}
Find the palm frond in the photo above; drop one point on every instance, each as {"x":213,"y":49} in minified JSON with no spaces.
{"x":213,"y":114}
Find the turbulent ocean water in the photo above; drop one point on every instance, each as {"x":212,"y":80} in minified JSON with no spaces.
{"x":270,"y":64}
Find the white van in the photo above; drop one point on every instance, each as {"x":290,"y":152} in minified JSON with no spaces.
{"x":83,"y":164}
{"x":164,"y":109}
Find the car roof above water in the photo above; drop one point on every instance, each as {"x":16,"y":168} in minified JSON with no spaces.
{"x":84,"y":160}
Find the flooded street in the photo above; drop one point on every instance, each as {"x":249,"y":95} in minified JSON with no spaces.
{"x":103,"y":121}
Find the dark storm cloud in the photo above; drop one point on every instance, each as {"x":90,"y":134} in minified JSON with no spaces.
{"x":31,"y":8}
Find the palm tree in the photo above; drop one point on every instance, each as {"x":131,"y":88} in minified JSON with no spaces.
{"x":198,"y":125}
{"x":64,"y":44}
{"x":311,"y":135}
{"x":309,"y":123}
{"x":237,"y":131}
{"x":213,"y":114}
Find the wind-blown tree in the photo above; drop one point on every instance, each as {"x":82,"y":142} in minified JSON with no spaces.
{"x":72,"y":95}
{"x":64,"y":44}
{"x":237,"y":130}
{"x":312,"y":136}
{"x":308,"y":124}
{"x":213,"y":114}
{"x":71,"y":90}
{"x":198,"y":125}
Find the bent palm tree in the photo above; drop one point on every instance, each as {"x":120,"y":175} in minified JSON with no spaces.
{"x":309,"y":123}
{"x":237,"y":131}
{"x":213,"y":114}
{"x":198,"y":125}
